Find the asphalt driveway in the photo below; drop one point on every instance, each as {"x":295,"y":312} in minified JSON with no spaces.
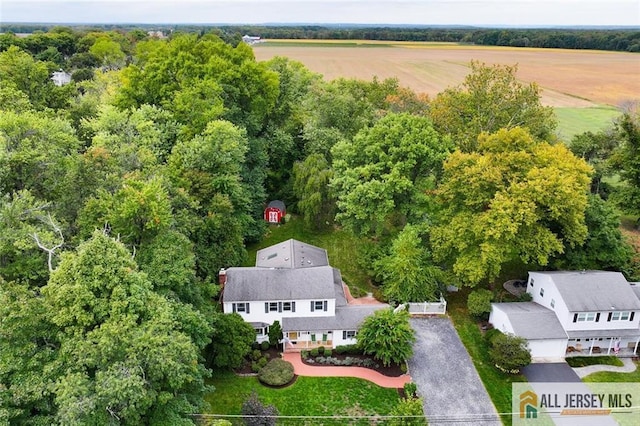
{"x":446,"y":377}
{"x":550,"y":372}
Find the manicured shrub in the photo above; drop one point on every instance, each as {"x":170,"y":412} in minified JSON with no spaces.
{"x":255,"y":367}
{"x":264,"y":345}
{"x":256,"y":354}
{"x":509,"y":353}
{"x":479,"y":303}
{"x":489,"y":335}
{"x":263,"y":361}
{"x":277,"y":372}
{"x":304,"y":354}
{"x":314,"y":352}
{"x":340,"y":349}
{"x":328,"y":352}
{"x":348,"y":349}
{"x":255,"y":346}
{"x":410,"y":390}
{"x":412,"y":409}
{"x":321,"y":350}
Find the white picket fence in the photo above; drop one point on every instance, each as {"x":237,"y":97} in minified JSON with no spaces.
{"x":429,"y":308}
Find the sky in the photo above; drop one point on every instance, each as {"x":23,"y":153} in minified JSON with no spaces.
{"x":516,"y":13}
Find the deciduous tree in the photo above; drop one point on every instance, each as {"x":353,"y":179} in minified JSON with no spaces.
{"x":387,"y":335}
{"x":491,"y":98}
{"x":514,"y":198}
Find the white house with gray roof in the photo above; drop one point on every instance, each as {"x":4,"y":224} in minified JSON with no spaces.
{"x":574,"y":313}
{"x":293,"y":283}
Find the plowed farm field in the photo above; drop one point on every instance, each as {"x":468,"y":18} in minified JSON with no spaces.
{"x":568,"y":78}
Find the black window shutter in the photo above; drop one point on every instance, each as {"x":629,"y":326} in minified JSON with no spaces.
{"x":575,"y":317}
{"x":293,"y":306}
{"x":598,"y":317}
{"x":609,"y":317}
{"x":325,"y":306}
{"x":279,"y":306}
{"x":266,"y":307}
{"x":344,"y":334}
{"x":247,"y":305}
{"x":233,"y":307}
{"x":312,"y":306}
{"x":631,"y":316}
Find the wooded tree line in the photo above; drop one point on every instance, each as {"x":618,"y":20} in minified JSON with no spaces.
{"x":615,"y":39}
{"x":123,"y":194}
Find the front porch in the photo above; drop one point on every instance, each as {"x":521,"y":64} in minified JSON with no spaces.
{"x":596,"y":346}
{"x":296,"y":341}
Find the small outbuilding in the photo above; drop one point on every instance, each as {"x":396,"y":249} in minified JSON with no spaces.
{"x":275,"y":211}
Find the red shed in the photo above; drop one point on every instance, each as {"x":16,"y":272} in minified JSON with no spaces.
{"x":275,"y":211}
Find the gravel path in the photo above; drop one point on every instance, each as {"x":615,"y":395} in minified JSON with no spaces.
{"x":446,"y":377}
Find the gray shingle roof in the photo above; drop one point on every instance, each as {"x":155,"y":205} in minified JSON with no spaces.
{"x":291,"y":254}
{"x":579,"y":334}
{"x":347,"y":318}
{"x":532,"y":321}
{"x":256,"y":284}
{"x":588,"y":291}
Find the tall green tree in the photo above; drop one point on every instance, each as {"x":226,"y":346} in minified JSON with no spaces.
{"x":381,"y":178}
{"x":626,"y":159}
{"x":489,"y":99}
{"x":230,"y":342}
{"x":311,"y":184}
{"x":387,"y":335}
{"x":123,"y":355}
{"x":407,"y":272}
{"x":514,"y":198}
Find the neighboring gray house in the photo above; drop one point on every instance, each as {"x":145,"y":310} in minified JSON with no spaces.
{"x":293,"y":283}
{"x":596,"y":312}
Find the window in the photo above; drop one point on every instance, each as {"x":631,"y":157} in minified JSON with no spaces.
{"x":261,"y":331}
{"x":620,"y":316}
{"x":319,"y":305}
{"x":586,"y":316}
{"x":240,"y":307}
{"x":531,"y":282}
{"x":553,"y":303}
{"x":273,"y":306}
{"x":286,"y":306}
{"x":542,"y":292}
{"x":348,"y":334}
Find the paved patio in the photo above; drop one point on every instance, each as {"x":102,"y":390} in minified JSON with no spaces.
{"x":446,"y":378}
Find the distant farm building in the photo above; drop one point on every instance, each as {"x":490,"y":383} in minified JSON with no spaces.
{"x":275,"y":211}
{"x":251,"y":39}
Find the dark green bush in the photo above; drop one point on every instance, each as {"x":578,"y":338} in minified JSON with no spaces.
{"x":410,"y":390}
{"x":277,"y":372}
{"x":304,"y":354}
{"x":264,"y":345}
{"x":255,"y":345}
{"x":348,"y":350}
{"x":256,"y":354}
{"x":314,"y":352}
{"x":489,"y":335}
{"x":328,"y":352}
{"x":321,"y":350}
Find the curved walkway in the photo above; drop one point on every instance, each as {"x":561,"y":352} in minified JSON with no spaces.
{"x":302,"y":369}
{"x":628,"y":367}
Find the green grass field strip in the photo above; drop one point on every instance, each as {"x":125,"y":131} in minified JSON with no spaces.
{"x":574,"y":121}
{"x":583,"y":361}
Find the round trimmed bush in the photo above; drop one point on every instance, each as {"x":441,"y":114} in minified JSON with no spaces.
{"x":264,"y":345}
{"x":277,"y":372}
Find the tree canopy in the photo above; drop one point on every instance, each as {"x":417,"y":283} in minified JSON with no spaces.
{"x":514,"y":198}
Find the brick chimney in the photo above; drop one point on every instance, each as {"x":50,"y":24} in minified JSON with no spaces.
{"x":222,"y":278}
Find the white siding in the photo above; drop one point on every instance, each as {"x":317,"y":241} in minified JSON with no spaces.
{"x":339,"y":341}
{"x":544,"y":282}
{"x":548,"y":348}
{"x":500,"y":320}
{"x":303,"y":309}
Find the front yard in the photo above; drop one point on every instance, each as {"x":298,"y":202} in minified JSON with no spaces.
{"x":308,"y":396}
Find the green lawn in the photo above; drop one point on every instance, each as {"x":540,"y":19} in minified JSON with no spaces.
{"x":341,"y":246}
{"x":608,"y":376}
{"x":582,"y":361}
{"x":573,"y":121}
{"x":498,"y":384}
{"x":308,"y":396}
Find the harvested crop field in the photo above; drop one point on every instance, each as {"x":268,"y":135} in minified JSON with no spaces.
{"x":569,"y":78}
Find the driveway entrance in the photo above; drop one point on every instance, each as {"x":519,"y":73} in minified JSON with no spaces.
{"x":447,"y":380}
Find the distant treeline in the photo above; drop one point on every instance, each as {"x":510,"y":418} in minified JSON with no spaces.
{"x":627,"y":40}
